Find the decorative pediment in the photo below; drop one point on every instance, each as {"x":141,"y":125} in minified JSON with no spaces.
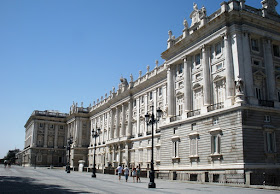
{"x":179,"y":93}
{"x":218,"y":78}
{"x":259,"y":73}
{"x":197,"y":86}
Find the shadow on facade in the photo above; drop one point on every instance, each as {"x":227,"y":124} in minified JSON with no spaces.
{"x":28,"y":185}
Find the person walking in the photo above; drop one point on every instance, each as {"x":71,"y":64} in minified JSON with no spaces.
{"x":134,"y":174}
{"x":126,"y":173}
{"x":120,"y":169}
{"x":138,"y":171}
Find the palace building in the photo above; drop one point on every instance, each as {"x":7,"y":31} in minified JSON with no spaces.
{"x":219,"y":90}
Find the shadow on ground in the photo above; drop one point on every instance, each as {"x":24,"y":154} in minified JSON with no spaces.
{"x":28,"y":185}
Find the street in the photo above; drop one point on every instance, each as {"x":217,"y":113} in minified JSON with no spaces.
{"x":43,"y":180}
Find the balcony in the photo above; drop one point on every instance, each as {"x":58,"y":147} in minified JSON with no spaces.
{"x":215,"y":107}
{"x":193,"y":113}
{"x":148,"y":132}
{"x":140,"y":134}
{"x":175,"y":118}
{"x":267,"y":103}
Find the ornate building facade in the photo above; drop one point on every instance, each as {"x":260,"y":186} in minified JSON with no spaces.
{"x":219,"y":90}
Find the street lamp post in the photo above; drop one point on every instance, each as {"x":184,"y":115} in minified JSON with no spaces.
{"x":69,"y":142}
{"x":95,"y":134}
{"x":151,"y":120}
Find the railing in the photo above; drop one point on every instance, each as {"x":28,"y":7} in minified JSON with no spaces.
{"x":267,"y":103}
{"x":193,"y":113}
{"x":157,"y":130}
{"x":253,"y":10}
{"x":140,"y":134}
{"x":175,"y":118}
{"x":148,"y":133}
{"x":214,"y":15}
{"x":215,"y":106}
{"x":264,"y":179}
{"x":51,"y":114}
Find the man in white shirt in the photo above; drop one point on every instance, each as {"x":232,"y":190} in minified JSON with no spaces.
{"x":120,"y":169}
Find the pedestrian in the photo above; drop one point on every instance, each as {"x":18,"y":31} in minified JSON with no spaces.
{"x":138,"y":171}
{"x":5,"y":163}
{"x":120,"y":169}
{"x":134,"y":174}
{"x":126,"y":173}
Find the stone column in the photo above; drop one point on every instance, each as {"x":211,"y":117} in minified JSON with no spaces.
{"x":187,"y":83}
{"x":117,"y":132}
{"x":138,"y":115}
{"x":129,"y":127}
{"x":248,"y":75}
{"x":80,"y":132}
{"x":46,"y":135}
{"x":206,"y":76}
{"x":230,"y":89}
{"x":170,"y":91}
{"x":269,"y":67}
{"x":103,"y":129}
{"x":55,"y":136}
{"x":127,"y":155}
{"x":112,"y":124}
{"x":34,"y":137}
{"x":123,"y":120}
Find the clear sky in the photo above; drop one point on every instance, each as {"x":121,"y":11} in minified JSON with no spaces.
{"x":54,"y":52}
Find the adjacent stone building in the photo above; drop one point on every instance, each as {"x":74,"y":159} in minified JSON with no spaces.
{"x":219,"y":90}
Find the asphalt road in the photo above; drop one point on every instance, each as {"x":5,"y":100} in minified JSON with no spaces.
{"x":43,"y":180}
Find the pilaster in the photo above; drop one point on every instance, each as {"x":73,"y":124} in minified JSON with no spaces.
{"x":230,"y":89}
{"x":123,"y":120}
{"x":117,"y":132}
{"x":187,"y":84}
{"x":269,"y":67}
{"x":206,"y":75}
{"x":170,"y":91}
{"x":55,"y":136}
{"x":46,"y":135}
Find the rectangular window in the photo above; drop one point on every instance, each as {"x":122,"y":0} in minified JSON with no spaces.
{"x":258,"y":94}
{"x":180,"y":68}
{"x":61,"y":127}
{"x":270,"y":142}
{"x":267,"y":119}
{"x":41,"y":125}
{"x":51,"y":126}
{"x":215,"y":121}
{"x":215,"y":144}
{"x":160,"y":91}
{"x":134,"y":103}
{"x":151,"y":95}
{"x":142,"y":99}
{"x":255,"y":44}
{"x":218,"y":49}
{"x":197,"y":59}
{"x":175,"y":149}
{"x":180,"y":109}
{"x":276,"y":51}
{"x":193,"y":127}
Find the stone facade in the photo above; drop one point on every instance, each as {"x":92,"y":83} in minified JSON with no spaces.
{"x":219,"y":90}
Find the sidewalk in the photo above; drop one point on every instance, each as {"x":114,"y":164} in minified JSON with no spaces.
{"x":43,"y":180}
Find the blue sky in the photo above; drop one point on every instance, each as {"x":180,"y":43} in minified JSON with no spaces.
{"x":54,"y":52}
